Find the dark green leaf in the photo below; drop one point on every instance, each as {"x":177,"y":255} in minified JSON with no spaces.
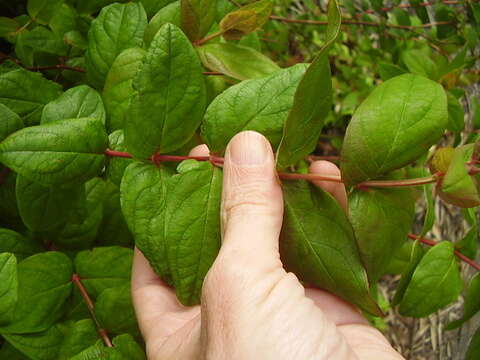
{"x":238,"y":62}
{"x":170,"y":99}
{"x":7,"y":351}
{"x":444,"y":13}
{"x":80,"y":336}
{"x":127,"y":346}
{"x":8,"y":287}
{"x":394,"y":126}
{"x":24,"y":53}
{"x":118,"y":88}
{"x":429,"y":220}
{"x":152,"y":7}
{"x":468,"y":245}
{"x":118,"y":27}
{"x":65,"y":19}
{"x":313,"y":100}
{"x":388,"y":71}
{"x":456,"y":114}
{"x":168,"y":14}
{"x":58,"y":152}
{"x":26,"y":92}
{"x":197,"y":17}
{"x":116,"y":165}
{"x":19,"y":245}
{"x":44,"y":285}
{"x":7,"y":26}
{"x":435,"y":283}
{"x":473,"y":351}
{"x":42,"y":10}
{"x":41,"y":39}
{"x":471,"y":305}
{"x":421,"y":11}
{"x":78,"y":102}
{"x":76,"y":39}
{"x":9,"y":122}
{"x":318,"y":244}
{"x":258,"y":104}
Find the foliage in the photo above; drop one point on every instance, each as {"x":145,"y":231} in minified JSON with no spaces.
{"x":99,"y":98}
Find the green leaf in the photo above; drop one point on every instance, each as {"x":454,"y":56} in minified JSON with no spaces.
{"x":118,"y":27}
{"x":41,"y":345}
{"x":444,"y":13}
{"x":312,"y":102}
{"x":9,"y":122}
{"x":394,"y":126}
{"x":127,"y":346}
{"x":57,"y":153}
{"x":473,"y":351}
{"x":80,"y":336}
{"x":388,"y":71}
{"x":7,"y":351}
{"x":118,"y":88}
{"x":78,"y":102}
{"x":258,"y":104}
{"x":114,"y":310}
{"x":65,"y":19}
{"x":45,"y":207}
{"x":8,"y":287}
{"x":421,"y":11}
{"x":238,"y":62}
{"x":381,"y":220}
{"x":317,"y":243}
{"x":418,"y":62}
{"x":24,"y":53}
{"x":429,"y":220}
{"x":471,"y":306}
{"x":26,"y":92}
{"x":168,"y":14}
{"x":116,"y":165}
{"x":456,"y":114}
{"x":103,"y":268}
{"x":468,"y":245}
{"x":458,"y":187}
{"x":143,"y":200}
{"x":152,"y":7}
{"x":19,"y":245}
{"x":435,"y":283}
{"x":197,"y":17}
{"x":246,"y":19}
{"x":8,"y":201}
{"x":170,"y":96}
{"x":193,"y":241}
{"x":44,"y":285}
{"x":75,"y":39}
{"x":41,"y":39}
{"x":42,"y":10}
{"x":7,"y":26}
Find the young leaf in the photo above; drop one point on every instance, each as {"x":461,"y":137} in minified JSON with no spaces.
{"x":45,"y":207}
{"x":103,"y":268}
{"x":192,"y":241}
{"x":170,"y":99}
{"x":118,"y":88}
{"x":78,"y":102}
{"x":80,"y":336}
{"x":246,"y":19}
{"x":473,"y":351}
{"x":143,"y":199}
{"x":118,"y":27}
{"x":381,"y":220}
{"x":9,"y":122}
{"x":115,"y":165}
{"x":238,"y":62}
{"x":44,"y":285}
{"x":57,"y":153}
{"x":471,"y":305}
{"x":42,"y":11}
{"x":312,"y":102}
{"x":8,"y":287}
{"x":317,"y":243}
{"x":435,"y":283}
{"x":258,"y":104}
{"x":19,"y":245}
{"x":197,"y":17}
{"x":168,"y":14}
{"x":394,"y":126}
{"x":26,"y":92}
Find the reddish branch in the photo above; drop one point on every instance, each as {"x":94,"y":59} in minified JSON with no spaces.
{"x":91,"y":308}
{"x":430,"y":242}
{"x":56,"y":67}
{"x":404,"y":6}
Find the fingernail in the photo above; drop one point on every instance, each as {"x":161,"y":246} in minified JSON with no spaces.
{"x":249,"y":148}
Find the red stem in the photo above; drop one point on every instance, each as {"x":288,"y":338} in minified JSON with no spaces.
{"x":91,"y":308}
{"x":430,"y":242}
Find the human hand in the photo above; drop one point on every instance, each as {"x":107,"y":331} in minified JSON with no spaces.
{"x":251,"y":307}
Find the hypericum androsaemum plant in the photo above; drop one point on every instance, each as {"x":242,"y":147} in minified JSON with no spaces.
{"x":90,"y":150}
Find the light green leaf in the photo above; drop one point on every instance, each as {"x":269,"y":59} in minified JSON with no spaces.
{"x":143,"y":200}
{"x":238,"y":62}
{"x":168,"y":14}
{"x":471,"y":305}
{"x":116,"y":165}
{"x":193,"y":241}
{"x":118,"y":27}
{"x":419,"y":62}
{"x":435,"y":283}
{"x":9,"y":122}
{"x":80,"y":336}
{"x":313,"y":100}
{"x":26,"y":92}
{"x":78,"y":102}
{"x":103,"y":268}
{"x":19,"y":245}
{"x":65,"y":19}
{"x":197,"y":17}
{"x":44,"y":285}
{"x":246,"y":19}
{"x":170,"y":100}
{"x":317,"y":243}
{"x":118,"y":88}
{"x":381,"y":220}
{"x":57,"y":153}
{"x":258,"y":104}
{"x":42,"y":10}
{"x":8,"y":287}
{"x":45,"y":207}
{"x":394,"y":126}
{"x":75,"y":39}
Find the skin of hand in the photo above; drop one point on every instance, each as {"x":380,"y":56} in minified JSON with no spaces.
{"x":251,"y":308}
